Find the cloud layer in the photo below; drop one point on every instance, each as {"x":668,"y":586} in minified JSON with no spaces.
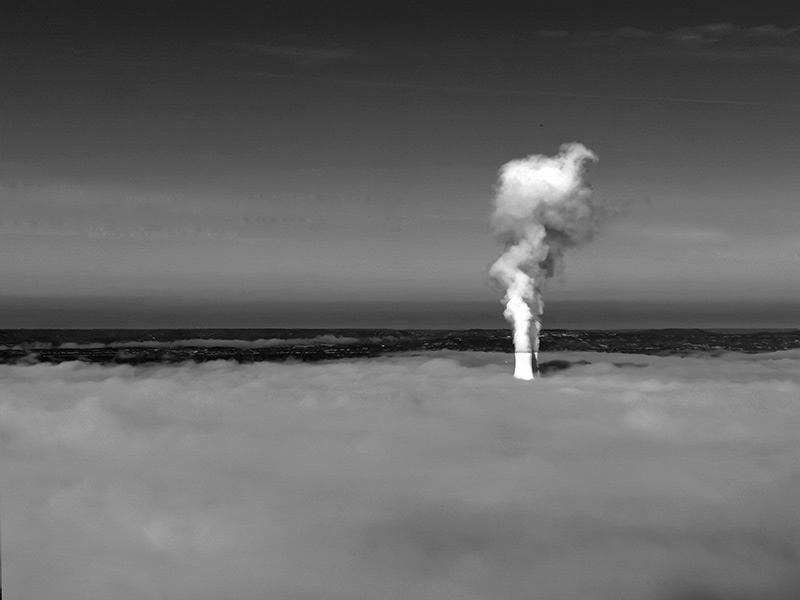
{"x":435,"y":476}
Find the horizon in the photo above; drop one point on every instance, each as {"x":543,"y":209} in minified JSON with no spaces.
{"x":155,"y":313}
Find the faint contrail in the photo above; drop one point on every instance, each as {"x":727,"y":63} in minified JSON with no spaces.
{"x":411,"y":86}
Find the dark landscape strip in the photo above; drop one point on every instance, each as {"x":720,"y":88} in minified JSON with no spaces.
{"x":653,"y":342}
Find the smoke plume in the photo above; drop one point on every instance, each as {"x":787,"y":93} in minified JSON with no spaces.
{"x":542,"y":207}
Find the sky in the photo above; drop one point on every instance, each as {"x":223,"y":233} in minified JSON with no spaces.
{"x":433,"y":477}
{"x":161,"y":157}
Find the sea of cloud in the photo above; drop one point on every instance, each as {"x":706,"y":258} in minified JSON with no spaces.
{"x":433,"y":476}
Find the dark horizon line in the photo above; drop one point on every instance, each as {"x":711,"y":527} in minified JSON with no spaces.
{"x":374,"y":329}
{"x":233,"y":313}
{"x":251,"y":296}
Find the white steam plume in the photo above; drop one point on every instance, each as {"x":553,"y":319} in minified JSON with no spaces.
{"x":542,"y":207}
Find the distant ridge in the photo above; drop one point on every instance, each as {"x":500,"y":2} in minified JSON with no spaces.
{"x":137,"y":346}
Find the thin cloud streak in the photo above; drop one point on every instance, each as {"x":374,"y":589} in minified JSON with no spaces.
{"x":716,"y":41}
{"x":414,"y":86}
{"x":300,"y":53}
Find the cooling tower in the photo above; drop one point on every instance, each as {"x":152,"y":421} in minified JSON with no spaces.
{"x":523,"y":365}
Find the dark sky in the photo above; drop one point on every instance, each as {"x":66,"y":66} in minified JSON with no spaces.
{"x":348,"y":150}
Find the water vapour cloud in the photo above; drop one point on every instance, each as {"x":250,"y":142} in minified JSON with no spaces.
{"x":433,"y":476}
{"x":542,"y":207}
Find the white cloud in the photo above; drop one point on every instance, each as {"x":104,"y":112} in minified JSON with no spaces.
{"x":435,"y":476}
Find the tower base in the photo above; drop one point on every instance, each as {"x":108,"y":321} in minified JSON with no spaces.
{"x":523,"y":365}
